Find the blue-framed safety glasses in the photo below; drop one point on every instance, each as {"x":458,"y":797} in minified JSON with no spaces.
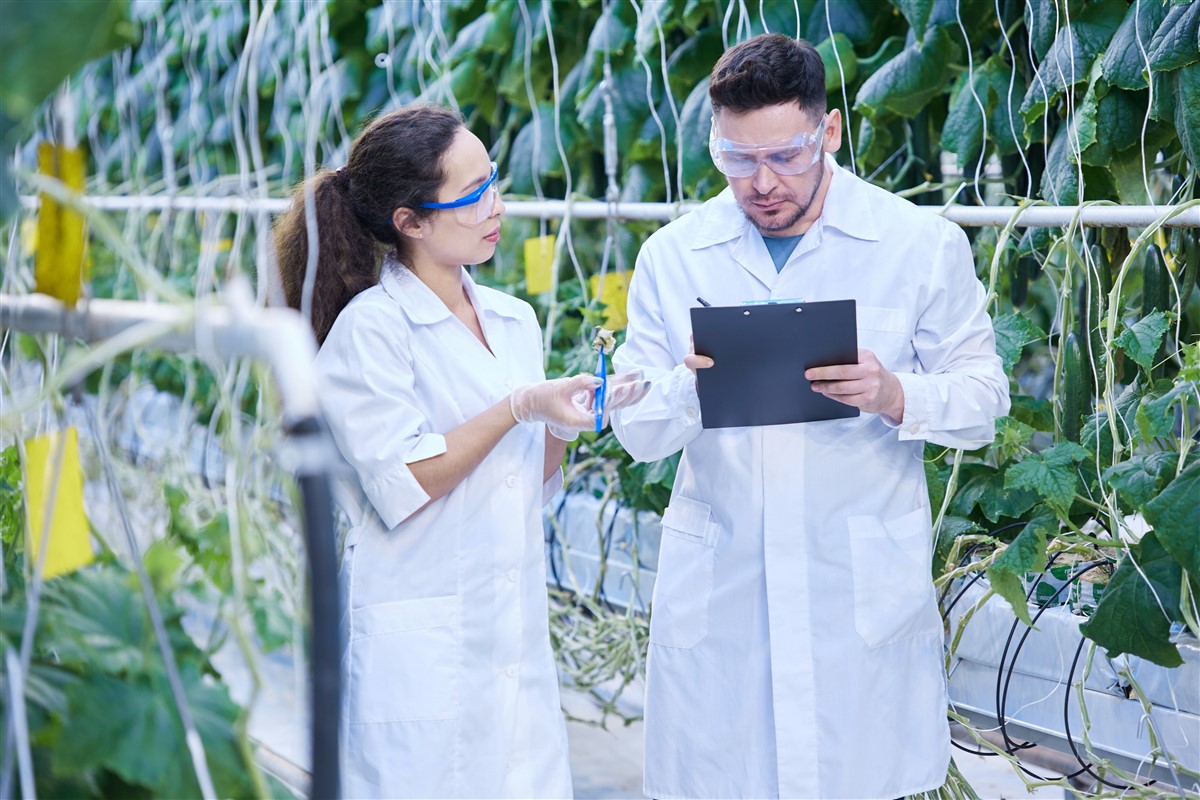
{"x":473,"y":208}
{"x":788,"y":157}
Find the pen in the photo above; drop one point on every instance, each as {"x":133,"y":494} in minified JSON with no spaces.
{"x":601,"y":391}
{"x":704,"y":302}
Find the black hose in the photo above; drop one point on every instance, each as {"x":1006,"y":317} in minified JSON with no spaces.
{"x":325,"y":612}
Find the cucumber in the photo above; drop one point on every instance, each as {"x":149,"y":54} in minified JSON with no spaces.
{"x":1185,"y":245}
{"x":1018,"y":284}
{"x":1076,"y":394}
{"x":1156,"y":283}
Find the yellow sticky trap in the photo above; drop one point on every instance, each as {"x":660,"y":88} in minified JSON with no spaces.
{"x":539,"y":264}
{"x":69,"y":546}
{"x":613,"y":293}
{"x":58,"y":268}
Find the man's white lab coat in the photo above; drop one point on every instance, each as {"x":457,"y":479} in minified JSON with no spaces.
{"x":451,"y":688}
{"x":795,"y":643}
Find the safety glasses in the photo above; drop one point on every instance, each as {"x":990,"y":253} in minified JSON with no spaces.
{"x":787,"y":157}
{"x":473,"y":208}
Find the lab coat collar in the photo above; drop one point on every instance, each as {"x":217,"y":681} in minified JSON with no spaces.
{"x":422,"y":306}
{"x":847,"y":208}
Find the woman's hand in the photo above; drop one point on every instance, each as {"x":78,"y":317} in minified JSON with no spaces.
{"x":563,"y":404}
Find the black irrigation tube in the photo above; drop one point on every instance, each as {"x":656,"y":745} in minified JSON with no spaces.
{"x":325,"y":612}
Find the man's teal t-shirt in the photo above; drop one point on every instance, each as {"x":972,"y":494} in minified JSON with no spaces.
{"x":781,"y":248}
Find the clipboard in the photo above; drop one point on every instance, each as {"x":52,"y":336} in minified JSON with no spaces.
{"x":761,"y":353}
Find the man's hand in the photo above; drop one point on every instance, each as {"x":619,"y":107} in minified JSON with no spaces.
{"x":695,"y":362}
{"x":866,"y":385}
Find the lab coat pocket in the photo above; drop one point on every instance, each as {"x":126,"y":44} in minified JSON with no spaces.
{"x":683,"y":586}
{"x":893,"y":587}
{"x":405,"y":658}
{"x":882,"y":331}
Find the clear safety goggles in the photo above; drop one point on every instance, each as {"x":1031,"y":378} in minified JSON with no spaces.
{"x":474,"y":208}
{"x":787,"y":157}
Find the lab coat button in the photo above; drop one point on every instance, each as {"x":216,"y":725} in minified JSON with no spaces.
{"x":513,"y":575}
{"x":510,"y":481}
{"x":511,"y":672}
{"x":691,"y":412}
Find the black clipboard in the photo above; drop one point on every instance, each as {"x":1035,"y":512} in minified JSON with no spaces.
{"x":761,"y":353}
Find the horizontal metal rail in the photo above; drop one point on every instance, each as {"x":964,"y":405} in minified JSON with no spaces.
{"x":1091,"y":216}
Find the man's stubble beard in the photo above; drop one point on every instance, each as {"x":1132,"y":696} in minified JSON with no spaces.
{"x":797,"y":215}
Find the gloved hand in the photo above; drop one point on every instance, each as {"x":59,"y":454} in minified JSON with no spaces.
{"x":563,"y":404}
{"x":625,"y":390}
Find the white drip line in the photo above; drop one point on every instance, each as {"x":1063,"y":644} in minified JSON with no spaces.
{"x":1092,"y":216}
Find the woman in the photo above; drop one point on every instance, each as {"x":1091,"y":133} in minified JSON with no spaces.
{"x":435,"y":393}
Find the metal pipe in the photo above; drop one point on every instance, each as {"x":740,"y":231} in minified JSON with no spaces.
{"x":1093,"y":216}
{"x":279,"y":336}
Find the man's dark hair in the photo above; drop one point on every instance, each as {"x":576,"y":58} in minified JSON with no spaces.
{"x":769,"y":70}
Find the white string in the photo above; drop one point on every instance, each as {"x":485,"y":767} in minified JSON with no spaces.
{"x":846,"y":126}
{"x":1008,"y":108}
{"x":978,"y":103}
{"x":662,"y":132}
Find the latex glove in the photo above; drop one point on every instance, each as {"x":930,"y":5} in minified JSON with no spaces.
{"x":563,"y":404}
{"x":625,"y":390}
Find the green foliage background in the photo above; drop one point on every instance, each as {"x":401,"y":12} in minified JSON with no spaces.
{"x":1065,"y":102}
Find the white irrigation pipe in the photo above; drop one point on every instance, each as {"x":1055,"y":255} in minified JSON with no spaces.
{"x":279,"y":336}
{"x":1093,"y":216}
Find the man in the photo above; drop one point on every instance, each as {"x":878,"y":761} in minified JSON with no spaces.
{"x":795,"y":642}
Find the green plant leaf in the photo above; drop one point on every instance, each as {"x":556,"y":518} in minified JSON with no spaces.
{"x":1156,"y":412}
{"x":1175,"y":515}
{"x":1187,"y":111}
{"x":1013,"y":332}
{"x":1096,"y":434}
{"x":694,"y":122}
{"x":1176,"y":43}
{"x":1027,"y":553}
{"x":648,"y":486}
{"x":629,"y":109}
{"x":1083,"y":123}
{"x":1011,"y":437}
{"x":1052,"y":474}
{"x":1141,"y":478}
{"x":1129,"y":618}
{"x":1069,"y":59}
{"x":1141,"y":340}
{"x":42,"y":43}
{"x":1124,"y":61}
{"x":917,"y":13}
{"x":1000,"y":501}
{"x":1041,"y":21}
{"x":117,"y":723}
{"x":1060,"y":181}
{"x":906,"y":84}
{"x":1038,"y":414}
{"x":849,"y":61}
{"x":1121,"y":114}
{"x":844,"y":16}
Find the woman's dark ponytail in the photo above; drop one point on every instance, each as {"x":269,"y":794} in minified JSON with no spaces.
{"x":347,"y":258}
{"x":396,"y":162}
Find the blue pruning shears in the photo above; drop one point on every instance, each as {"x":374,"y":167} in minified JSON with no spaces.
{"x":601,"y":391}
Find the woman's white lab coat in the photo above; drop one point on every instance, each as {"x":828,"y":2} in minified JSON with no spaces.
{"x":795,"y":644}
{"x":451,"y":688}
